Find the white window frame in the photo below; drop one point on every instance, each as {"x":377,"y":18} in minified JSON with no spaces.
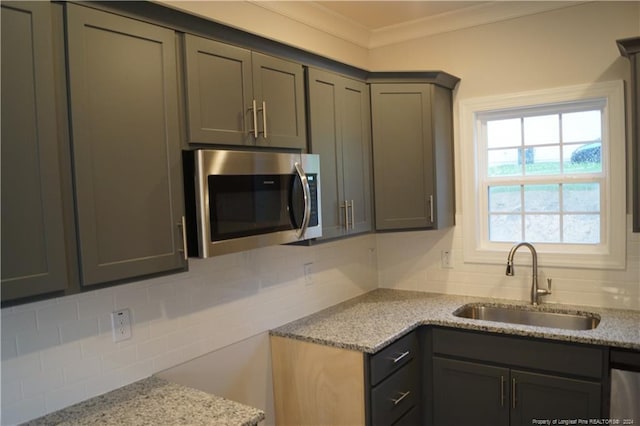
{"x":611,"y":252}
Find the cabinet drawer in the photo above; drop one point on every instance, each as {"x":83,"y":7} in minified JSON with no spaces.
{"x":558,"y":357}
{"x":393,"y":357}
{"x":412,"y":418}
{"x":395,"y":396}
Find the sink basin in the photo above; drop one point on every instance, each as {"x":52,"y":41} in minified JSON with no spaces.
{"x":526,"y":316}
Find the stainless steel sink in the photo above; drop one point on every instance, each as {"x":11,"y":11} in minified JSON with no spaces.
{"x":526,"y":316}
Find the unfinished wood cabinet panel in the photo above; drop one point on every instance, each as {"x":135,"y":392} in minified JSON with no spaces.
{"x":317,"y":385}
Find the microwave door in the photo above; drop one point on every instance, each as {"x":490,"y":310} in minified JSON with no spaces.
{"x":300,"y":196}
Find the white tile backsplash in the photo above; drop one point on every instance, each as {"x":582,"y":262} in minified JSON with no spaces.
{"x":60,"y":351}
{"x":411,"y":261}
{"x":65,"y":347}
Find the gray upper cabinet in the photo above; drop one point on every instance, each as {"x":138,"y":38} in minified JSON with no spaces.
{"x":630,"y":47}
{"x":239,"y":97}
{"x":340,"y":123}
{"x":413,"y":156}
{"x":219,"y":92}
{"x":126,"y":145}
{"x":33,"y":250}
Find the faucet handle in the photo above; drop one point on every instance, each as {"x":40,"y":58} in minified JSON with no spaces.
{"x":548,"y":285}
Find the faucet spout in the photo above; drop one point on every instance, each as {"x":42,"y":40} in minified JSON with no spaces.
{"x":536,"y":292}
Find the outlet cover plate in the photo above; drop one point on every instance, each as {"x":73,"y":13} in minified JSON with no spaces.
{"x":121,"y":321}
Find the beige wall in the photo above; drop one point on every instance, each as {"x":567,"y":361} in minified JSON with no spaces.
{"x":557,"y":48}
{"x":574,"y":45}
{"x":257,"y":19}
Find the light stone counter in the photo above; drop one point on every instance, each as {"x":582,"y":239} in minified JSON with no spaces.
{"x":154,"y":401}
{"x":369,"y":322}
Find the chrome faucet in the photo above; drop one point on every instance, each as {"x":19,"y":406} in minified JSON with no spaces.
{"x":535,"y":291}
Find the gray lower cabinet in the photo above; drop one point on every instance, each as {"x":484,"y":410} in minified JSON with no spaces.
{"x":481,"y":379}
{"x":239,"y":97}
{"x":467,"y":393}
{"x":413,"y":156}
{"x":126,"y":145}
{"x":394,"y":383}
{"x":340,"y":131}
{"x":34,"y":259}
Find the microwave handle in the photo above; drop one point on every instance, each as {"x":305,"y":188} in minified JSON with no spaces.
{"x":307,"y":200}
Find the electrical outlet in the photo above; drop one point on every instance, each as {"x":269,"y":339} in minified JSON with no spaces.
{"x":308,"y":277}
{"x":121,"y":321}
{"x":446,"y":259}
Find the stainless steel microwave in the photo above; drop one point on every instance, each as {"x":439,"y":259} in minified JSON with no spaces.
{"x":241,"y":200}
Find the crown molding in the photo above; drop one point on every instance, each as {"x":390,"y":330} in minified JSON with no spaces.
{"x":485,"y":13}
{"x":321,"y":18}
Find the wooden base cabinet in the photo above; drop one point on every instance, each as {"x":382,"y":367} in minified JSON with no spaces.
{"x":480,"y":379}
{"x":323,"y":385}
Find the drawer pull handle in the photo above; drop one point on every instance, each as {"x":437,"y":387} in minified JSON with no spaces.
{"x":401,"y":356}
{"x":402,"y":396}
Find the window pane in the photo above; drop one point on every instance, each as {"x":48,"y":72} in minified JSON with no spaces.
{"x":584,"y":158}
{"x":583,"y":126}
{"x":542,"y":130}
{"x":504,"y":162}
{"x":581,"y":197}
{"x":504,"y":227}
{"x":504,"y":133}
{"x":542,"y":198}
{"x":542,"y":228}
{"x":581,"y":229}
{"x":505,"y":199}
{"x":544,"y":161}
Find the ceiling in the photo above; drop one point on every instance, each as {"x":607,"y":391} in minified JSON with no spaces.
{"x":374,"y":15}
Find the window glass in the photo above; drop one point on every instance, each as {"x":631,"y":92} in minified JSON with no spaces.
{"x":543,"y":154}
{"x":542,"y":130}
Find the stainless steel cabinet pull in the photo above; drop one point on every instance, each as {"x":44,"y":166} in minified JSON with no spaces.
{"x":182,"y":225}
{"x":345,"y":206}
{"x":255,"y":120}
{"x":431,"y":208}
{"x":402,"y":396}
{"x":513,"y":393}
{"x":401,"y":356}
{"x":353,"y":216}
{"x":502,"y":380}
{"x":264,"y":119}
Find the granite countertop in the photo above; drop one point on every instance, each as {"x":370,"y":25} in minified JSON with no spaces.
{"x":154,"y":401}
{"x":371,"y":321}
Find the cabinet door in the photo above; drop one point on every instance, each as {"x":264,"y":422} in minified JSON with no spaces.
{"x":402,"y":153}
{"x":326,"y":134}
{"x":539,"y":396}
{"x":123,"y":89}
{"x":466,"y":393}
{"x":340,"y":129}
{"x":219,"y":92}
{"x":279,"y":84}
{"x":33,"y":249}
{"x":356,"y":154}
